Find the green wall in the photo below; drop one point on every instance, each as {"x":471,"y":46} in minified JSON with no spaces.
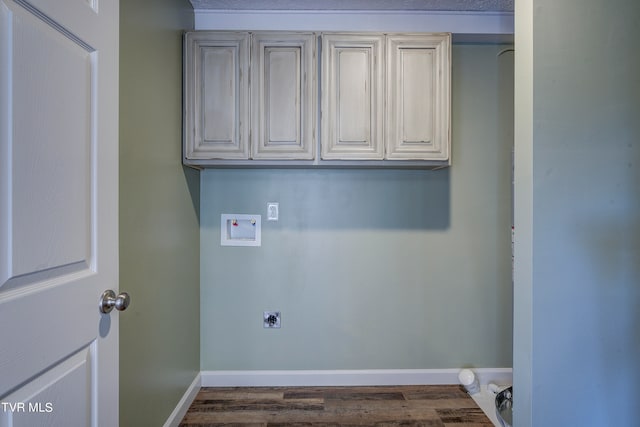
{"x":373,"y":269}
{"x":159,"y":206}
{"x":577,"y":213}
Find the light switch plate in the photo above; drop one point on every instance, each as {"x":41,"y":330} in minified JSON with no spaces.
{"x":273,"y":211}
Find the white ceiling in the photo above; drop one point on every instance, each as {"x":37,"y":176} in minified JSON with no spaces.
{"x":435,"y":5}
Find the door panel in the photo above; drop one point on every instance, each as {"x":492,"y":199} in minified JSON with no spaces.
{"x":58,"y":212}
{"x":50,"y":201}
{"x":67,"y":385}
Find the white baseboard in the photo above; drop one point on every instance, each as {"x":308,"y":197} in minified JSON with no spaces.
{"x":184,"y":403}
{"x":349,"y":377}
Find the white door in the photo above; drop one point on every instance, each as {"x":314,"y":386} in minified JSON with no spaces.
{"x":58,"y":212}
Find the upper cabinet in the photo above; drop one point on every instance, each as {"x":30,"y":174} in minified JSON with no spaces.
{"x":396,"y":82}
{"x":417,"y":115}
{"x":216,"y":96}
{"x":252,"y":99}
{"x":352,"y":96}
{"x":249,"y":96}
{"x":283,"y":96}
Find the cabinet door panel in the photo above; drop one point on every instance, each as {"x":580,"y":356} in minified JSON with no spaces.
{"x":353,"y":106}
{"x":417,"y":114}
{"x":416,"y":107}
{"x":283,"y":94}
{"x":218,"y":85}
{"x":352,"y":102}
{"x":216,"y":95}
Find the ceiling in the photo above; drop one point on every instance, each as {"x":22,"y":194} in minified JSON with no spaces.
{"x":426,"y":5}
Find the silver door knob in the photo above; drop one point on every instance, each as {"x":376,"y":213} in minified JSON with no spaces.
{"x":109,"y":301}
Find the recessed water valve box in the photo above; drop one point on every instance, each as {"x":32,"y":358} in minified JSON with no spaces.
{"x":240,"y":230}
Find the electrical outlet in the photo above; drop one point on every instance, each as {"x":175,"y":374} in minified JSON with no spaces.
{"x":271,"y":319}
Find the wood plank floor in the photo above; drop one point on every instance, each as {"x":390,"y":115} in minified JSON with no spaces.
{"x":433,"y":405}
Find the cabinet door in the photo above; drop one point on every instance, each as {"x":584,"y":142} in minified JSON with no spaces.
{"x":418,"y":89}
{"x":283,"y":96}
{"x":352,"y":96}
{"x":216,"y":95}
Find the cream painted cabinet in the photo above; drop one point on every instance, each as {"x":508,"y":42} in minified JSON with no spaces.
{"x":252,"y":99}
{"x":352,"y":96}
{"x":216,"y":96}
{"x":386,"y":97}
{"x":283,"y":96}
{"x":417,"y":113}
{"x":249,"y":96}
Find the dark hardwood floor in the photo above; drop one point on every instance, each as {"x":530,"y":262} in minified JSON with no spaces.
{"x":433,"y":405}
